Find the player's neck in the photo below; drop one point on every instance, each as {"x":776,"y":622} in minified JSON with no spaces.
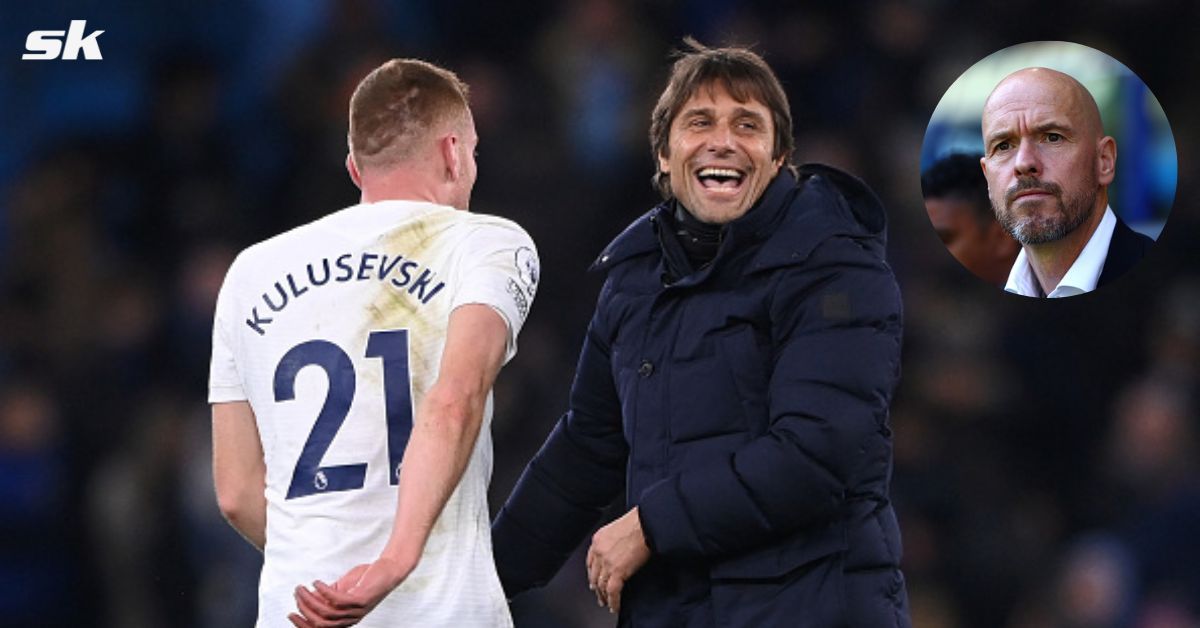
{"x":400,"y":188}
{"x":368,"y":197}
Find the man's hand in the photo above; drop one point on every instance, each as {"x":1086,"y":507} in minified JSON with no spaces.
{"x":618,"y":550}
{"x":350,"y":598}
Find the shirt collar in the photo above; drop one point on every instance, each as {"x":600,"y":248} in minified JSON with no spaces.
{"x":1083,"y":274}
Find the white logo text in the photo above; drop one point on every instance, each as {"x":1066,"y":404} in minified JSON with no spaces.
{"x":49,"y":45}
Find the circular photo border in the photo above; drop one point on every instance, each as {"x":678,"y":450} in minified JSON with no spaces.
{"x":1146,"y":178}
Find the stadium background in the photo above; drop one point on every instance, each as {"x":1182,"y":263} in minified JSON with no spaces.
{"x":1046,"y":453}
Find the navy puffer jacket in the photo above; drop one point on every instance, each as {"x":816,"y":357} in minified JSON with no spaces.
{"x":744,"y":409}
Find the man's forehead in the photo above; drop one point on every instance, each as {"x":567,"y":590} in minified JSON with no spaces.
{"x":1030,"y":112}
{"x":708,"y":93}
{"x":1038,"y":93}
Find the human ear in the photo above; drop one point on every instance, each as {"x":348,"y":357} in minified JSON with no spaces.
{"x":449,"y":149}
{"x":352,"y":168}
{"x":1106,"y":160}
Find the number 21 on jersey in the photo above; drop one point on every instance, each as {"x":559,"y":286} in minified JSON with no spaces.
{"x":391,"y":347}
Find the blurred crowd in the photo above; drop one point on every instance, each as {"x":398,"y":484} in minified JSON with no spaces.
{"x":1046,"y":470}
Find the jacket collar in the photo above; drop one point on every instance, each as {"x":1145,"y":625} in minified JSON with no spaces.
{"x":641,"y":237}
{"x":790,"y":219}
{"x":637,"y":239}
{"x":829,"y":203}
{"x":757,"y":223}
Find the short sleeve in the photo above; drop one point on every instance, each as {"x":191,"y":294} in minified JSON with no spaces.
{"x":499,"y":268}
{"x":224,"y":382}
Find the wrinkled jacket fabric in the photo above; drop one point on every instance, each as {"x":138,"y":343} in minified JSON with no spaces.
{"x":744,"y":409}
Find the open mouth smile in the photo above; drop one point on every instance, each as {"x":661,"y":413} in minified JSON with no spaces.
{"x":720,"y":180}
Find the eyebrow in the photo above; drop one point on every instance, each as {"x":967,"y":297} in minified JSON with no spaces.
{"x":738,"y":112}
{"x":1006,"y":132}
{"x":696,"y":111}
{"x":742,"y":112}
{"x":996,"y":136}
{"x":1053,"y":125}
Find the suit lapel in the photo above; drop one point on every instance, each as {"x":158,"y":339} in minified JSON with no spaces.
{"x":1124,"y":251}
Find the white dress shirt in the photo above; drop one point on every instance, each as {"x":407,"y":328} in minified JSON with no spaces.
{"x":1081,"y":277}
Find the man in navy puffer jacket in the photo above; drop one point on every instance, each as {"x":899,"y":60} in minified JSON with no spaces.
{"x":735,"y":381}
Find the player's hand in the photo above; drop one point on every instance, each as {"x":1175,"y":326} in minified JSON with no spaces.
{"x":350,"y":598}
{"x":618,"y":550}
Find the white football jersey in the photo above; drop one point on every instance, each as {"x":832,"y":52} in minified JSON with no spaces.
{"x":333,"y":332}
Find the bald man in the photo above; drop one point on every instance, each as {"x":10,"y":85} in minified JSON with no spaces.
{"x":1048,"y":166}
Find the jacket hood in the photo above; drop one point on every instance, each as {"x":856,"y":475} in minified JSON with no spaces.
{"x":828,"y":203}
{"x":793,"y":216}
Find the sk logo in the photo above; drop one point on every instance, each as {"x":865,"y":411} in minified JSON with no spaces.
{"x":48,"y":45}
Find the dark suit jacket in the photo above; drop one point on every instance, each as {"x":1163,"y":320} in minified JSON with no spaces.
{"x":1126,"y":249}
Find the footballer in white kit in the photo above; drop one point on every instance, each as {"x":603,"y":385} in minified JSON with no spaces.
{"x":333,"y":332}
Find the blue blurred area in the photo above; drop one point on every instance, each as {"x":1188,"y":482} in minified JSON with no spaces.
{"x":1046,"y":453}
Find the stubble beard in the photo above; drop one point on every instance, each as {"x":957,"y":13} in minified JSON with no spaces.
{"x":1072,"y":211}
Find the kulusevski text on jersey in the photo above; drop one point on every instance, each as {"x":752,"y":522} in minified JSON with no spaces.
{"x":394,"y":269}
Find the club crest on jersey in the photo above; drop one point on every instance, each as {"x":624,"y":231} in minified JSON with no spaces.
{"x":403,"y":274}
{"x":527,"y":268}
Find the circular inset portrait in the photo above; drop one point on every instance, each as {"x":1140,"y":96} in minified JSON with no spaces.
{"x":1048,"y":169}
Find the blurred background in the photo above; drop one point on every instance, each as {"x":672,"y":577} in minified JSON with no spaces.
{"x":1046,"y":452}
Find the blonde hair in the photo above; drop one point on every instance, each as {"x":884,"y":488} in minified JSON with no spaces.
{"x":395,"y":107}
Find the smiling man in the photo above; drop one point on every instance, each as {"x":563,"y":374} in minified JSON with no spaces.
{"x":1048,"y":165}
{"x":733,"y":386}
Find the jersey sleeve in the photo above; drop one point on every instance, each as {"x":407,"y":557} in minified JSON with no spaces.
{"x":224,"y":381}
{"x":500,"y":269}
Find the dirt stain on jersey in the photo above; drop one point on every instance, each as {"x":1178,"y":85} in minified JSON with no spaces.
{"x":398,"y":308}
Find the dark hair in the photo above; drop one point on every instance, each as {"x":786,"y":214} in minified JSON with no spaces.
{"x":958,"y":176}
{"x":396,"y":105}
{"x":740,"y":71}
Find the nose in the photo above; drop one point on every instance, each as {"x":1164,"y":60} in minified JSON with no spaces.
{"x":1028,"y":162}
{"x":720,"y":140}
